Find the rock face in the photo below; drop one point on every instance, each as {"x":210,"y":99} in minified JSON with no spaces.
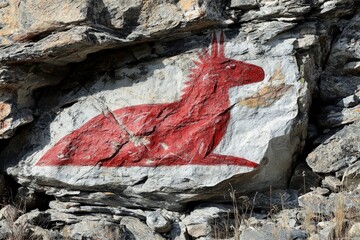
{"x":166,"y":103}
{"x":337,"y":151}
{"x":345,"y":151}
{"x":149,"y":129}
{"x":127,"y":111}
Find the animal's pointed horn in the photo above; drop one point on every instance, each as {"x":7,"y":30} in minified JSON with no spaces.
{"x":214,"y":47}
{"x":221,"y":45}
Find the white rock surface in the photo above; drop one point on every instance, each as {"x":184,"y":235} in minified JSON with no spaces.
{"x":271,"y":105}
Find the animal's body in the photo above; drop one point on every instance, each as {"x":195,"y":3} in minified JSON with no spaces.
{"x":179,"y":133}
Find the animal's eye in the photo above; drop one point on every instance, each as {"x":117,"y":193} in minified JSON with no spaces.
{"x":232,"y":66}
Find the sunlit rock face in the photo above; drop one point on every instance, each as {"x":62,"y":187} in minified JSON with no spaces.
{"x":140,"y":104}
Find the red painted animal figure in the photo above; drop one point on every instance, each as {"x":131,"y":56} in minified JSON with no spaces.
{"x":178,"y":133}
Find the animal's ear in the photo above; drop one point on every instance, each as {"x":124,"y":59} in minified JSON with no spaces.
{"x":217,"y":49}
{"x":214,"y":46}
{"x":221,"y":45}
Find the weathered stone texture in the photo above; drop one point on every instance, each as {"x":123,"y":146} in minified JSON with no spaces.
{"x":64,"y":31}
{"x":337,"y":152}
{"x":229,"y":83}
{"x":272,"y":101}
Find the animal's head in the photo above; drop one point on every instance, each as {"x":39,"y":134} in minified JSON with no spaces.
{"x":228,"y":72}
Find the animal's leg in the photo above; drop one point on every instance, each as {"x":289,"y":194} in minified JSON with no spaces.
{"x":216,"y":159}
{"x":170,"y":159}
{"x":97,"y":141}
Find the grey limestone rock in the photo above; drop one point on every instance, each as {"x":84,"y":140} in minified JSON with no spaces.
{"x":314,"y":202}
{"x":336,"y":81}
{"x":244,"y":4}
{"x":334,"y":88}
{"x":331,"y":182}
{"x":88,"y":229}
{"x":34,"y":217}
{"x":41,"y":234}
{"x":158,"y":222}
{"x":77,"y":208}
{"x":321,"y":191}
{"x":200,"y":222}
{"x":275,"y":102}
{"x":332,"y":116}
{"x":346,"y":202}
{"x":139,"y":230}
{"x":338,"y":151}
{"x":349,"y":101}
{"x":68,"y":63}
{"x":354,"y":231}
{"x":272,"y":231}
{"x":84,"y":27}
{"x":5,"y":229}
{"x":62,"y":218}
{"x":326,"y":229}
{"x":352,"y":67}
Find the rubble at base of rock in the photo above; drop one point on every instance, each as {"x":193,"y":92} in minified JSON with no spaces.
{"x":316,"y":217}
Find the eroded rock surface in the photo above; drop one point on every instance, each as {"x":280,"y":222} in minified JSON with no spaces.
{"x":270,"y":103}
{"x":114,"y":105}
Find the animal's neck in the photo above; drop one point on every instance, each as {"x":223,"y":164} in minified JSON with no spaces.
{"x":205,"y":97}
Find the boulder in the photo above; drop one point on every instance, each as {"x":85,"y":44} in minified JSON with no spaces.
{"x":34,"y":218}
{"x":5,"y":229}
{"x":138,"y":230}
{"x":344,"y":203}
{"x":354,"y":231}
{"x":131,"y":115}
{"x":63,"y":31}
{"x":244,"y":4}
{"x":271,"y":231}
{"x":340,"y":151}
{"x":169,"y":169}
{"x":326,"y":229}
{"x":158,"y":222}
{"x":203,"y":221}
{"x":88,"y":229}
{"x":332,"y":183}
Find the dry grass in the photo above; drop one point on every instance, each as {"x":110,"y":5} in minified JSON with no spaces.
{"x":339,"y":216}
{"x":237,"y":220}
{"x":342,"y":215}
{"x":231,"y":226}
{"x":309,"y":223}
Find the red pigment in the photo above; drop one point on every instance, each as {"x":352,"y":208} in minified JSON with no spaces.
{"x":184,"y":132}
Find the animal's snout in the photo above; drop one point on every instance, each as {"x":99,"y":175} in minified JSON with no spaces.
{"x":253,"y":74}
{"x":259,"y":73}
